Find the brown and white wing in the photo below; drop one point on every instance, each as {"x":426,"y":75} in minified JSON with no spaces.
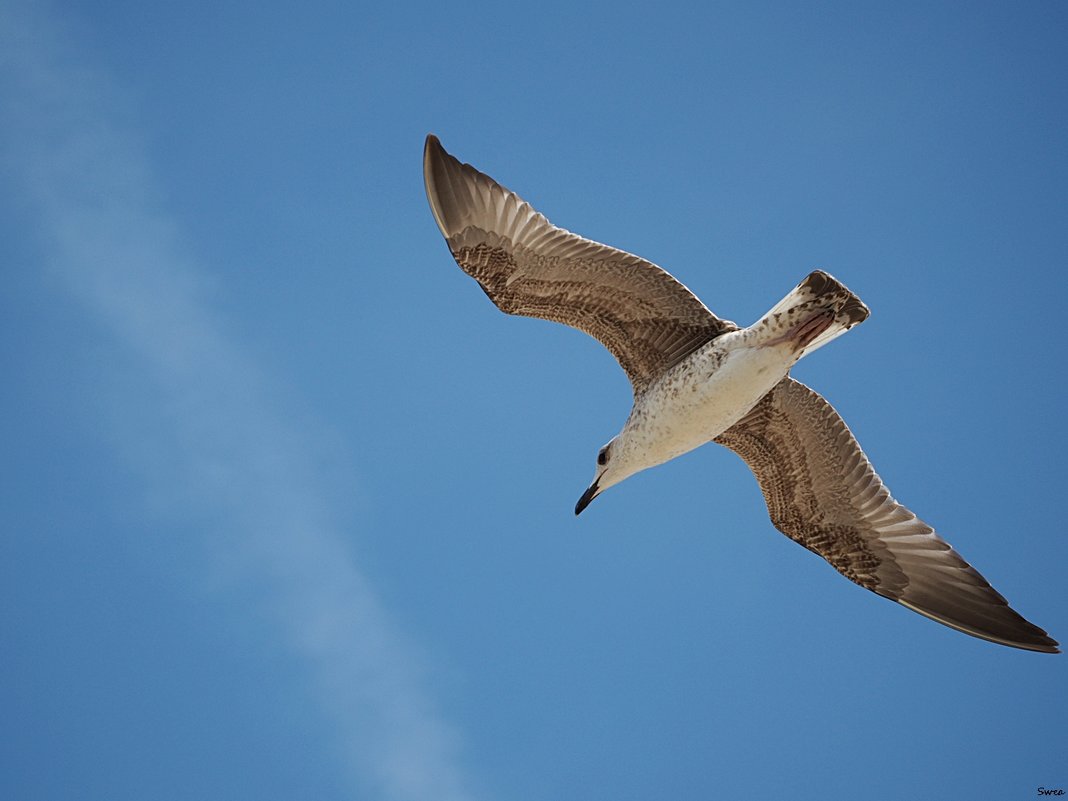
{"x":822,"y":492}
{"x":528,"y":266}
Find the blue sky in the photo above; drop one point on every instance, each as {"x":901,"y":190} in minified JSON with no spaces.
{"x":286,"y":504}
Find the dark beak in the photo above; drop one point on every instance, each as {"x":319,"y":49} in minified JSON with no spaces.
{"x":587,"y":496}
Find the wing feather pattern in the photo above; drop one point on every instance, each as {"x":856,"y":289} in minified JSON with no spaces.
{"x":823,"y":493}
{"x":529,"y":267}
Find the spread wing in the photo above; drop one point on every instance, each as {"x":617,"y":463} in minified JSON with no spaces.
{"x":822,"y":492}
{"x":528,"y":266}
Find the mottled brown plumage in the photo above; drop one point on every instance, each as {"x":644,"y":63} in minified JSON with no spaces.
{"x":823,"y":493}
{"x":527,"y":266}
{"x":820,"y":488}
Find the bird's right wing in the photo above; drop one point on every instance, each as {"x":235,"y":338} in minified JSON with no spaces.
{"x":528,"y":266}
{"x":823,"y":493}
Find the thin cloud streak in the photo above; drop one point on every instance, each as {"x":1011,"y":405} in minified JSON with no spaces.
{"x":89,"y":189}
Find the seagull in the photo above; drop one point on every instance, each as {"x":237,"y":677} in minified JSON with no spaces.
{"x":698,"y":378}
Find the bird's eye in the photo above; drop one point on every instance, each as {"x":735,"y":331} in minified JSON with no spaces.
{"x":602,"y":457}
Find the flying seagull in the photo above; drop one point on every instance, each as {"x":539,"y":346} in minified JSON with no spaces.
{"x":698,"y":378}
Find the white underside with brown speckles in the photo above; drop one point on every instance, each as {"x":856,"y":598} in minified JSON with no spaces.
{"x":716,"y":386}
{"x":704,"y":396}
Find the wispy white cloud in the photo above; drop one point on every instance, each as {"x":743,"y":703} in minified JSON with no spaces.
{"x":77,"y":160}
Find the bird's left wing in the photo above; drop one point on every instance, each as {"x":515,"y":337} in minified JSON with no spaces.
{"x":528,"y":266}
{"x":823,"y":493}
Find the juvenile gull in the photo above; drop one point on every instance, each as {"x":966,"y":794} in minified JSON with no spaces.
{"x":698,"y":378}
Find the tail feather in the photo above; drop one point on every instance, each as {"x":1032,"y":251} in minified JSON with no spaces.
{"x":818,"y":295}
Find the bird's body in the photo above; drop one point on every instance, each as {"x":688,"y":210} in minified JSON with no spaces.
{"x":714,"y":387}
{"x":700,"y":398}
{"x":698,"y":378}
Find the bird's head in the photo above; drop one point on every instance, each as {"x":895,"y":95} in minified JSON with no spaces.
{"x":612,"y":467}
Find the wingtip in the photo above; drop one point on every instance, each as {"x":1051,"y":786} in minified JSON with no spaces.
{"x":1048,"y":645}
{"x":434,"y":154}
{"x":1026,"y":636}
{"x":431,"y":148}
{"x":1041,"y":645}
{"x":1043,"y":642}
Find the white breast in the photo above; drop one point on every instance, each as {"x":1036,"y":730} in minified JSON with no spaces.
{"x":705,"y":395}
